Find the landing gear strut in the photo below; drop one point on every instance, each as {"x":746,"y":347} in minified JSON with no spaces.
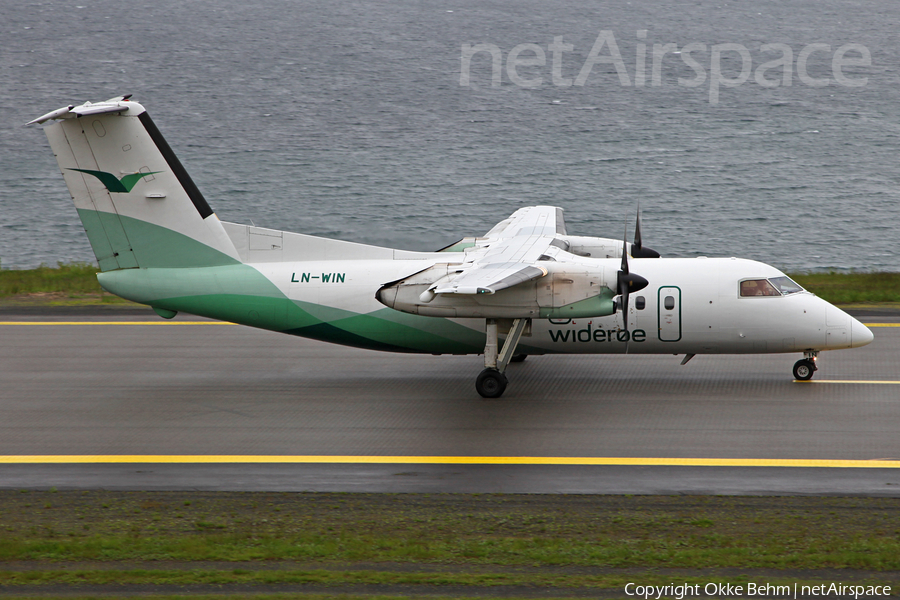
{"x":491,"y":383}
{"x":806,"y":367}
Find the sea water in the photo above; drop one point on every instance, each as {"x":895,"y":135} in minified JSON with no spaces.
{"x":366,"y":120}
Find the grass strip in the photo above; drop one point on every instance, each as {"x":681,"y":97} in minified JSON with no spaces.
{"x":851,"y":288}
{"x":255,"y":596}
{"x":345,"y":578}
{"x":71,"y":278}
{"x":315,"y":577}
{"x":66,"y":284}
{"x":512,"y":530}
{"x":694,"y":551}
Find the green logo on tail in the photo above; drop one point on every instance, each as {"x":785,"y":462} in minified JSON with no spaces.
{"x":113,"y":184}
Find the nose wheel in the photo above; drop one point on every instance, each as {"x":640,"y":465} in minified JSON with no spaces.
{"x":491,"y":383}
{"x":806,"y":366}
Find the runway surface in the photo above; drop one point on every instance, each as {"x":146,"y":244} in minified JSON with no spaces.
{"x":130,"y":401}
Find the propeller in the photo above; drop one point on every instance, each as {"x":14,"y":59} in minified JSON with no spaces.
{"x":627,"y":282}
{"x":637,"y":249}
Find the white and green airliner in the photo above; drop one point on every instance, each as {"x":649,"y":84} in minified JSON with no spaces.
{"x":526,"y":283}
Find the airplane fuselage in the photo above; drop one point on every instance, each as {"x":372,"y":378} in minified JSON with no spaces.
{"x":693,"y":306}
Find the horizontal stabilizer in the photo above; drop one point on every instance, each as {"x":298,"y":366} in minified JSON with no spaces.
{"x":99,"y":109}
{"x":72,"y":111}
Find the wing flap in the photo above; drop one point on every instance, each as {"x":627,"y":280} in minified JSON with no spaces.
{"x":491,"y":278}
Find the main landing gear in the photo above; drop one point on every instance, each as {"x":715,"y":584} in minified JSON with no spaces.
{"x":806,"y":367}
{"x":491,"y":383}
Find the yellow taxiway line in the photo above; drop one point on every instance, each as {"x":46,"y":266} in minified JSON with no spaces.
{"x":446,"y":460}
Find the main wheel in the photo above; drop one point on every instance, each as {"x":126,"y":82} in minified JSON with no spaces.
{"x":491,"y":383}
{"x":804,"y":369}
{"x":518,"y":358}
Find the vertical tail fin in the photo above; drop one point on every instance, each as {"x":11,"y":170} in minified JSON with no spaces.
{"x":138,"y":204}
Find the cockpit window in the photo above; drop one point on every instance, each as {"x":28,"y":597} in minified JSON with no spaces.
{"x":758,"y":287}
{"x":786,"y":285}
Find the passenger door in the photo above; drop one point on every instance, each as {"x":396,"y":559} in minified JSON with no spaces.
{"x":669,"y":311}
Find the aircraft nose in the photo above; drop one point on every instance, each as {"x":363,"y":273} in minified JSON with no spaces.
{"x":860,"y":335}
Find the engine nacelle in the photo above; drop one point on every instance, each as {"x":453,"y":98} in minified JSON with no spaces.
{"x":595,"y":247}
{"x":563,"y":293}
{"x":592,"y":247}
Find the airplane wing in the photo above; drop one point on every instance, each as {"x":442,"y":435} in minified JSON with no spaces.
{"x":509,"y":253}
{"x":531,"y":220}
{"x":540,"y":271}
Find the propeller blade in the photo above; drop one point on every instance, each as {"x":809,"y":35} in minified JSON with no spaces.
{"x":637,"y":248}
{"x":637,"y":232}
{"x":644,"y":253}
{"x":623,"y":295}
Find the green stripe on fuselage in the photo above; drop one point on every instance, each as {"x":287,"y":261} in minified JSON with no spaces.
{"x":241,"y":294}
{"x":408,"y":333}
{"x":236,"y":293}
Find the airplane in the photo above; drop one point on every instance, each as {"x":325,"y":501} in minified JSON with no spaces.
{"x":526,"y":282}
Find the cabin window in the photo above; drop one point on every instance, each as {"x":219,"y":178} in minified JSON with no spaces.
{"x":640,"y":302}
{"x":758,"y":287}
{"x":669,"y":302}
{"x":786,"y":285}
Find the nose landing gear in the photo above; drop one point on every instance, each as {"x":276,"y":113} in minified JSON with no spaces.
{"x":491,"y":383}
{"x":806,"y":366}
